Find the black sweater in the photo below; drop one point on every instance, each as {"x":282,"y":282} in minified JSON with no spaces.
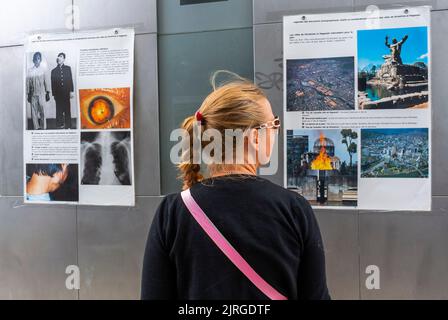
{"x":274,"y":229}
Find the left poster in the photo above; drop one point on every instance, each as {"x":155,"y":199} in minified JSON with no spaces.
{"x":78,"y":118}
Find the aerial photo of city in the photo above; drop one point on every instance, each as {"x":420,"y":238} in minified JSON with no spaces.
{"x":394,"y":153}
{"x":320,"y":84}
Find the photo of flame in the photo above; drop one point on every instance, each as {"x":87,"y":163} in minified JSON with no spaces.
{"x":322,"y":161}
{"x":322,"y":165}
{"x":105,"y":108}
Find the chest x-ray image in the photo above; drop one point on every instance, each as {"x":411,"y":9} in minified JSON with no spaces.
{"x":106,"y":158}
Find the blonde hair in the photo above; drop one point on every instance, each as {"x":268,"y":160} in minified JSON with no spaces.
{"x":233,"y":104}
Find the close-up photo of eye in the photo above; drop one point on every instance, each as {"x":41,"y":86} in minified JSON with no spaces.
{"x":101,"y":110}
{"x":105,"y":108}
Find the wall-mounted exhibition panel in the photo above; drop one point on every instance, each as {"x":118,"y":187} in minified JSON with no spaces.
{"x":145,"y":108}
{"x":111,"y":244}
{"x":78,"y":136}
{"x":358,"y":110}
{"x":22,"y":16}
{"x":37,"y":244}
{"x":139,"y":14}
{"x":192,"y":16}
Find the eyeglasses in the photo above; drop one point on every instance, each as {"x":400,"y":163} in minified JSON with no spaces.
{"x":275,"y":124}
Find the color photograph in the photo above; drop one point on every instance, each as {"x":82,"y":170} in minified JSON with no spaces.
{"x":105,"y":108}
{"x":320,"y":84}
{"x":106,"y":158}
{"x":393,"y":68}
{"x":52,"y":183}
{"x":394,"y":153}
{"x":322,"y":166}
{"x":51,"y":102}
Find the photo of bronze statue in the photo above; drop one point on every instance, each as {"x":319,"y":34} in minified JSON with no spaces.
{"x":393,"y":75}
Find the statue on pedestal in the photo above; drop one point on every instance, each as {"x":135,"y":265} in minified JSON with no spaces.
{"x":395,"y":50}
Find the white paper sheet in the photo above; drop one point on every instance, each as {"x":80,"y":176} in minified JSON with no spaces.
{"x":78,"y":118}
{"x":357,"y":109}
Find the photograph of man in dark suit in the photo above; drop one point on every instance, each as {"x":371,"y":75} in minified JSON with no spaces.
{"x":62,"y":90}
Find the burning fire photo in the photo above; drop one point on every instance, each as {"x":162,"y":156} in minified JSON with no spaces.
{"x":322,"y":166}
{"x":323,"y":160}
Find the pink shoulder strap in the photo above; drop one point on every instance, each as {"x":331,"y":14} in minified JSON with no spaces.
{"x":227,"y":248}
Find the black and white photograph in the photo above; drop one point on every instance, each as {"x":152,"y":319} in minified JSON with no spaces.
{"x":50,"y":90}
{"x":106,"y":158}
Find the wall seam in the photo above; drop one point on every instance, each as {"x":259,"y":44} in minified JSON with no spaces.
{"x":358,"y":218}
{"x":77,"y":251}
{"x":204,"y":31}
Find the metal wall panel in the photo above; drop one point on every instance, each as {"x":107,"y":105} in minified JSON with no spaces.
{"x":339,"y":231}
{"x":11,"y":125}
{"x":37,"y":243}
{"x":21,"y":16}
{"x":268,"y":73}
{"x":146,"y":116}
{"x":268,"y":11}
{"x":140,"y":14}
{"x":111,"y":248}
{"x":409,"y":247}
{"x":185,"y":65}
{"x":435,"y":4}
{"x":439,"y":103}
{"x":410,"y":250}
{"x":176,"y":18}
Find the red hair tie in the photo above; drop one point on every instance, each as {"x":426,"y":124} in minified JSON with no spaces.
{"x":200,"y":117}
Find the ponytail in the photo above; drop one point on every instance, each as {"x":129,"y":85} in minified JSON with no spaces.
{"x":233,"y":104}
{"x":189,"y":171}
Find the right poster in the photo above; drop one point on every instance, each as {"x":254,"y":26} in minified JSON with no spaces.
{"x":357,"y":109}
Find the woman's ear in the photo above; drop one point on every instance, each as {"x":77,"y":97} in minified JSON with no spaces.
{"x":253,"y":146}
{"x":255,"y":136}
{"x":252,"y":139}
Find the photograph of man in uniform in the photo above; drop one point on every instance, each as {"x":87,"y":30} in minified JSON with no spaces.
{"x":37,"y":92}
{"x":63,"y":91}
